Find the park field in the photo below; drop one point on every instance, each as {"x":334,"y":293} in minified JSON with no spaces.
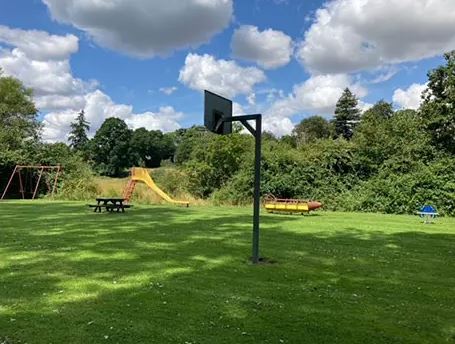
{"x":163,"y":274}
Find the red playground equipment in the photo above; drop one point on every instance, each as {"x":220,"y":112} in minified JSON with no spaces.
{"x":33,"y":185}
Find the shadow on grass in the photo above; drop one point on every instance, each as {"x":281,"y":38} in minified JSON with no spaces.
{"x":175,"y":275}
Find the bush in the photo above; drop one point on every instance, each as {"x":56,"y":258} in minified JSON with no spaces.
{"x":402,"y":193}
{"x":215,"y":160}
{"x":77,"y":181}
{"x":320,"y":171}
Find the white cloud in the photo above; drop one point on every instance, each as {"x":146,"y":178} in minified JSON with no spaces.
{"x":317,"y":95}
{"x":227,"y":78}
{"x":41,"y":62}
{"x":55,"y":102}
{"x":271,"y":94}
{"x":60,"y":95}
{"x":269,"y":48}
{"x":353,"y":35}
{"x":278,"y":126}
{"x":409,"y":98}
{"x":168,"y":90}
{"x":40,"y":45}
{"x":45,"y":77}
{"x":251,"y":99}
{"x":56,"y":125}
{"x":145,"y":28}
{"x":165,"y":120}
{"x":98,"y":107}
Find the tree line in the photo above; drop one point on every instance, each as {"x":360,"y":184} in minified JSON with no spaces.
{"x":115,"y":147}
{"x":377,"y":160}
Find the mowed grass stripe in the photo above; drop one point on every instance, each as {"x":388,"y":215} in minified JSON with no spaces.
{"x":159,"y":274}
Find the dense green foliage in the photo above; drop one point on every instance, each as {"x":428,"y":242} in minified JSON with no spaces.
{"x":438,"y":109}
{"x":311,"y":129}
{"x":394,"y":161}
{"x":175,"y":275}
{"x":149,"y":148}
{"x":379,"y":160}
{"x":110,"y":147}
{"x":18,"y":121}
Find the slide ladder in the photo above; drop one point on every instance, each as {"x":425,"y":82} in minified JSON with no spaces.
{"x":129,"y":189}
{"x":139,"y":174}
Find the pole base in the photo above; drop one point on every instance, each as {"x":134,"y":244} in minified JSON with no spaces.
{"x":263,"y":261}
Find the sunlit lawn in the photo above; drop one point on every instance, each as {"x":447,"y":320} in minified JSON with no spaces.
{"x":178,"y":275}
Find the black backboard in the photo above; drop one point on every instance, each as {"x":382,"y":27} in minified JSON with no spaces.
{"x":215,"y":108}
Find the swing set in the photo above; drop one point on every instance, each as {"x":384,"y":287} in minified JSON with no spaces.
{"x":30,"y":182}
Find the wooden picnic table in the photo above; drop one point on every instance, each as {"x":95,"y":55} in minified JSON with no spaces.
{"x":111,"y":204}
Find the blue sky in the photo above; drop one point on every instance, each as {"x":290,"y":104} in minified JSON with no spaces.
{"x":286,"y":59}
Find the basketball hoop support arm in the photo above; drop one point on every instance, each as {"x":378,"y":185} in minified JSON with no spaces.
{"x":256,"y":132}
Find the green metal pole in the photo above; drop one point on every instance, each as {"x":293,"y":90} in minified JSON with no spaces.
{"x":257,"y":189}
{"x":257,"y":133}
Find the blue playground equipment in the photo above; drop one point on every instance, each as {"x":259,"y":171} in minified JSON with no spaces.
{"x":428,"y":212}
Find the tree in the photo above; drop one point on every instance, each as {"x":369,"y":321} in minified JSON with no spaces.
{"x":149,"y":148}
{"x":186,"y":140}
{"x":78,"y":134}
{"x":397,"y":140}
{"x":347,"y":115}
{"x":110,"y":147}
{"x":311,"y":129}
{"x":215,"y":159}
{"x":168,"y":147}
{"x":381,"y":110}
{"x":289,"y":140}
{"x":268,"y":136}
{"x":19,"y":126}
{"x":438,"y":108}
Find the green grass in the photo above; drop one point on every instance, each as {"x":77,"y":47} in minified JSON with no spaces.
{"x":177,"y":275}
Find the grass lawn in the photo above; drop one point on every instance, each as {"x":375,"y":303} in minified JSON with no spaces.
{"x":181,"y":275}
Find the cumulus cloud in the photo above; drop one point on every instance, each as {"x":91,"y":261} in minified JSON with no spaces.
{"x":411,"y":98}
{"x":269,"y":48}
{"x":353,"y":35}
{"x":54,"y":102}
{"x":145,"y":28}
{"x":41,"y":62}
{"x":278,"y":126}
{"x":165,"y":120}
{"x":40,"y":45}
{"x":227,"y":78}
{"x":60,"y":95}
{"x":98,"y":107}
{"x":317,"y":95}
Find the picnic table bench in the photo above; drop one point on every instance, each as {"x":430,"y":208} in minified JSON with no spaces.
{"x":111,"y":204}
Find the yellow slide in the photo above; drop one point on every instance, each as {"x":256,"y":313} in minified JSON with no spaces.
{"x":139,"y":174}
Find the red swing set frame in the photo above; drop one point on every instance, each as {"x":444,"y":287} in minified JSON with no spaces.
{"x":42,"y":169}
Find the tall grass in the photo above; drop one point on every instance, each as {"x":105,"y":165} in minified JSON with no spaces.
{"x":170,"y":180}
